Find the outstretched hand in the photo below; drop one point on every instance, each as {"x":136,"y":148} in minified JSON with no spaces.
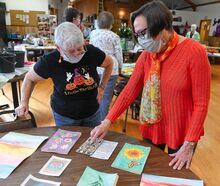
{"x":101,"y":130}
{"x":182,"y":157}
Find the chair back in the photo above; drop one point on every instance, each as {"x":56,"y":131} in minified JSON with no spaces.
{"x":18,"y":123}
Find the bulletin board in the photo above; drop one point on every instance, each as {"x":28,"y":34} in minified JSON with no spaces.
{"x":24,"y":18}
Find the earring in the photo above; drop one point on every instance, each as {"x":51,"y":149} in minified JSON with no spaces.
{"x":61,"y":59}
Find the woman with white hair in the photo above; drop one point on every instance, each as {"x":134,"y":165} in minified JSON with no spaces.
{"x":108,"y":42}
{"x":72,"y":68}
{"x":193,"y":33}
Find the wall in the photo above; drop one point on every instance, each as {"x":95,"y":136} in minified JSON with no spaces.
{"x":35,"y":5}
{"x":189,"y":16}
{"x":61,"y":6}
{"x":87,"y":7}
{"x":210,"y":12}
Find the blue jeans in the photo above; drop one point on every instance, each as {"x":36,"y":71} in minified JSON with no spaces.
{"x":90,"y":121}
{"x":107,"y":96}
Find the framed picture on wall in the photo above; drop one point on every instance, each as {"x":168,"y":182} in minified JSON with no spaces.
{"x":46,"y":25}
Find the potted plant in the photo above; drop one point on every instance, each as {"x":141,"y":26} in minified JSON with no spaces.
{"x":125,"y":34}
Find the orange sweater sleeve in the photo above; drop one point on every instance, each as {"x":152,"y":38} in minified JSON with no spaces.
{"x":130,"y":91}
{"x":200,"y":79}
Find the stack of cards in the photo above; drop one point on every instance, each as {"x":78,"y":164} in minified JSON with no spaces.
{"x":105,"y":150}
{"x":88,"y":147}
{"x":55,"y":166}
{"x":101,"y":149}
{"x":61,"y":142}
{"x":92,"y":177}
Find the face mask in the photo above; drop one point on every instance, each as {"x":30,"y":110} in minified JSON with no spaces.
{"x":72,"y":59}
{"x":149,"y":44}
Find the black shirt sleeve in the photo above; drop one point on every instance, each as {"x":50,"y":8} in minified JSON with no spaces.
{"x":41,"y":68}
{"x":44,"y":65}
{"x":96,"y":53}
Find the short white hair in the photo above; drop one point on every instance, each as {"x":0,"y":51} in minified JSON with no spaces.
{"x":68,"y":35}
{"x":194,"y":26}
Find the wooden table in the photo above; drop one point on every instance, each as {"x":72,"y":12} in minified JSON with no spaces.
{"x":14,"y":78}
{"x":212,"y":56}
{"x":32,"y":47}
{"x":40,"y":49}
{"x":157,"y":162}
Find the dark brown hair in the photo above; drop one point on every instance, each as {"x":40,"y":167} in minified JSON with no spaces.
{"x":70,"y":13}
{"x":157,"y":16}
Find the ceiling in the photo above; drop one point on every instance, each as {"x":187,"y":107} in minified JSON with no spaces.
{"x":175,"y":4}
{"x":184,"y":4}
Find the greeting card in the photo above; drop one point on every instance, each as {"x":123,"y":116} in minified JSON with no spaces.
{"x":55,"y":166}
{"x":61,"y":142}
{"x":132,"y":158}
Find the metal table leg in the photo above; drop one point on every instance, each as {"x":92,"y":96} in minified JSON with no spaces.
{"x":14,"y":94}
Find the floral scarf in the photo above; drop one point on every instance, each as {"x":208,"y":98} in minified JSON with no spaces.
{"x":150,"y":111}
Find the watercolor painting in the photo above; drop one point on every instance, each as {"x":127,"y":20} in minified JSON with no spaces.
{"x":153,"y":180}
{"x":55,"y":166}
{"x":33,"y":181}
{"x":14,"y":148}
{"x":61,"y":142}
{"x":132,"y":158}
{"x":92,"y":177}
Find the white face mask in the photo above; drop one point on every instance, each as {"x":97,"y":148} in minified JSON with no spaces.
{"x":72,"y":59}
{"x":149,"y":44}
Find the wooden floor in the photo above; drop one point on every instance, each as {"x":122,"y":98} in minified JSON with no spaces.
{"x":206,"y":161}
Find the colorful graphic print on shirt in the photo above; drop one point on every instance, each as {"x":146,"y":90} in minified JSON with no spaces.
{"x":79,"y":81}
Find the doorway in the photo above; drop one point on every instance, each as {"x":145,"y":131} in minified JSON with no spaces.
{"x":205,"y":26}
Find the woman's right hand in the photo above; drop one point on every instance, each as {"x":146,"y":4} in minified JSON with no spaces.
{"x":101,"y":130}
{"x":22,"y":110}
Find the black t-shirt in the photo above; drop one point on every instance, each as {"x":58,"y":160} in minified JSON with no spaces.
{"x":75,"y":85}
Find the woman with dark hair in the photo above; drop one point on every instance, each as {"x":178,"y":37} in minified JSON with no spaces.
{"x":74,"y":16}
{"x":175,"y":82}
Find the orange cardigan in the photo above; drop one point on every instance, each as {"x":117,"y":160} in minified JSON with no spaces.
{"x":185,"y":93}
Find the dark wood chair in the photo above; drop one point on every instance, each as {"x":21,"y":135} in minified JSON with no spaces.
{"x":18,"y":123}
{"x":135,"y":106}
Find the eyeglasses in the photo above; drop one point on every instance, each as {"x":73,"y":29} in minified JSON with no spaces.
{"x":141,"y":34}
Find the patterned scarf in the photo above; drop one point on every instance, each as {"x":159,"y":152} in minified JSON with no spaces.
{"x":150,"y":111}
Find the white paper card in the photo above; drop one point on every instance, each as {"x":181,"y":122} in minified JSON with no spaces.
{"x":31,"y":180}
{"x":105,"y":150}
{"x":55,"y":166}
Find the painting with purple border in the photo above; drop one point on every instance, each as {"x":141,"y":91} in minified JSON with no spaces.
{"x":61,"y":142}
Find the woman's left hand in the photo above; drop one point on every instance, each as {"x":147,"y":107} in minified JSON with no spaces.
{"x":182,"y":156}
{"x":100,"y":94}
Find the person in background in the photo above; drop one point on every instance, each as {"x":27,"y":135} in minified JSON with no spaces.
{"x":72,"y":67}
{"x":175,"y":82}
{"x":74,"y":16}
{"x":193,"y":33}
{"x":109,"y":42}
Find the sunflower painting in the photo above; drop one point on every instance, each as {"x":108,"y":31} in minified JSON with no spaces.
{"x":133,"y":153}
{"x":132,"y":158}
